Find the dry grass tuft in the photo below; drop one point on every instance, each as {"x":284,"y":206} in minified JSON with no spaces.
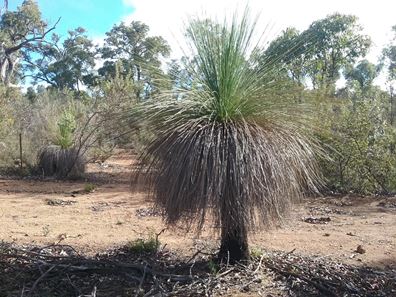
{"x":61,"y":163}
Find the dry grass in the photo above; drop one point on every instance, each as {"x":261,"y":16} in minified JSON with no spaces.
{"x":251,"y":172}
{"x":61,"y":163}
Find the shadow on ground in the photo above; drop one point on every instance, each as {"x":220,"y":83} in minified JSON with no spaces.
{"x":58,"y":270}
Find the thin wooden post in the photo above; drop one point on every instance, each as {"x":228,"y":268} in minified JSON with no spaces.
{"x":20,"y":150}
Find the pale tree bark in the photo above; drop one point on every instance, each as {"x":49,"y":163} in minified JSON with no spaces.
{"x":9,"y":57}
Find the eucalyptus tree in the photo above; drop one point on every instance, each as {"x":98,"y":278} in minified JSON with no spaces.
{"x":19,"y":31}
{"x":139,"y":54}
{"x":389,"y":56}
{"x":232,"y":150}
{"x":290,"y":54}
{"x":389,"y":61}
{"x":364,"y":73}
{"x":333,"y":42}
{"x":68,"y":64}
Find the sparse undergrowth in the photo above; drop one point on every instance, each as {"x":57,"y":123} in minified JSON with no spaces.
{"x":59,"y":270}
{"x":148,"y":245}
{"x":89,"y":188}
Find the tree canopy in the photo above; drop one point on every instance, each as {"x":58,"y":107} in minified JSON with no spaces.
{"x":20,"y":30}
{"x":66,"y":65}
{"x":139,"y":54}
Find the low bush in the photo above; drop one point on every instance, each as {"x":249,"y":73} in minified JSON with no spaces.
{"x":361,"y":144}
{"x":61,"y":163}
{"x":148,"y":245}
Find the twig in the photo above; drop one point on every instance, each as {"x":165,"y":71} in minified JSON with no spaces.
{"x":225,"y":273}
{"x":141,"y":281}
{"x":291,"y":252}
{"x":39,"y":279}
{"x":157,"y":236}
{"x":93,"y":294}
{"x":193,"y":256}
{"x":318,"y":286}
{"x":259,"y":265}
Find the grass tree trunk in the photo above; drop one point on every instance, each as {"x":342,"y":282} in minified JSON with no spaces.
{"x":234,"y":244}
{"x":234,"y":232}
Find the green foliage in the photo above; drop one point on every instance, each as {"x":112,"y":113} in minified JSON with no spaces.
{"x":363,"y":144}
{"x":256,"y":253}
{"x":288,"y":51}
{"x":138,"y":54}
{"x":53,"y":117}
{"x":20,"y":31}
{"x":89,"y":188}
{"x":67,"y":65}
{"x":118,"y":90}
{"x":389,"y":57}
{"x":227,"y":87}
{"x":66,"y":127}
{"x":334,"y":42}
{"x":9,"y":125}
{"x":213,"y":267}
{"x":319,"y":54}
{"x":364,"y":73}
{"x":116,"y":96}
{"x":148,"y":245}
{"x":179,"y":75}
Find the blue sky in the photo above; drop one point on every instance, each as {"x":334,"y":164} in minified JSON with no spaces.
{"x":97,"y":16}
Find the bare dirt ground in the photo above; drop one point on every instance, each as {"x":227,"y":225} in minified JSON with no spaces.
{"x":41,"y":212}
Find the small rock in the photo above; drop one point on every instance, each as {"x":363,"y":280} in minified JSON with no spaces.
{"x":62,"y":236}
{"x":360,"y":249}
{"x":326,"y":234}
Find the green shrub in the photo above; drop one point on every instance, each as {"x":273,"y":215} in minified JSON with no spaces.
{"x":362,"y":148}
{"x":148,"y":245}
{"x":256,"y":253}
{"x":89,"y":188}
{"x":66,"y":127}
{"x":213,"y":266}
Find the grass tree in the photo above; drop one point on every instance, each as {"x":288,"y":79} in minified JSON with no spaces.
{"x":229,"y":150}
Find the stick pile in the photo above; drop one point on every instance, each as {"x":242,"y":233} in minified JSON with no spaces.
{"x":58,"y":270}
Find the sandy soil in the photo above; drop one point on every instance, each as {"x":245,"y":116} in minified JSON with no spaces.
{"x":46,"y":212}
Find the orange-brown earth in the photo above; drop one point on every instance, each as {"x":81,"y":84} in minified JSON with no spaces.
{"x":44,"y":212}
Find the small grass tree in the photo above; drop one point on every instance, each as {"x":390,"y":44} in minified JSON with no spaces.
{"x":229,"y":149}
{"x":63,"y":159}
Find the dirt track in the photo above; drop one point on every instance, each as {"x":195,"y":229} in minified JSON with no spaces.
{"x":44,"y":212}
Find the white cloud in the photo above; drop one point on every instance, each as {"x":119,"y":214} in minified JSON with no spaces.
{"x":167,"y":17}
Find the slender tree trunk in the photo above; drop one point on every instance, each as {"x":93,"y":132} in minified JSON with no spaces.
{"x":3,"y":69}
{"x":20,"y":151}
{"x":392,"y":115}
{"x":138,"y":70}
{"x":392,"y":107}
{"x":234,"y":241}
{"x":7,"y":66}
